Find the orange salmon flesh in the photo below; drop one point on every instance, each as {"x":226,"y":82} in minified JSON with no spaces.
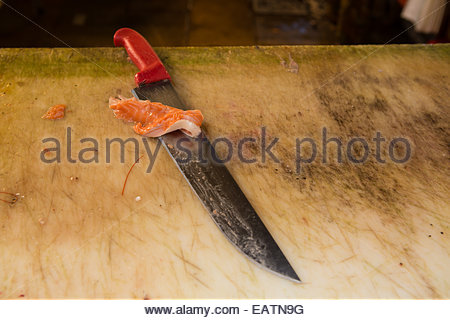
{"x":153,"y":119}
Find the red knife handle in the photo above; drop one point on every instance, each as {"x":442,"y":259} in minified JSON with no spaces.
{"x":142,"y":55}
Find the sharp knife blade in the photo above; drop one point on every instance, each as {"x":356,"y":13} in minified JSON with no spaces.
{"x":212,"y":182}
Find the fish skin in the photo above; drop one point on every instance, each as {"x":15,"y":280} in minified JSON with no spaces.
{"x":154,"y":119}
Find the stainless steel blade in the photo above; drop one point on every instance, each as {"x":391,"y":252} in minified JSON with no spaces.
{"x":217,"y":190}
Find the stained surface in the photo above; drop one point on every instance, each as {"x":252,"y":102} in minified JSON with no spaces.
{"x":365,"y":230}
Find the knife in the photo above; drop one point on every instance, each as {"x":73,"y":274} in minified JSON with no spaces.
{"x":210,"y":180}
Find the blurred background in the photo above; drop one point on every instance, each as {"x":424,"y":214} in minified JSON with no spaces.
{"x":91,"y":23}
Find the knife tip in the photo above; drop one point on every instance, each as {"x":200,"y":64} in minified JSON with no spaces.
{"x":294,"y":277}
{"x":290,"y":274}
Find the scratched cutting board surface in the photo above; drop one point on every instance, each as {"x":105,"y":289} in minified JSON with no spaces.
{"x":365,"y":230}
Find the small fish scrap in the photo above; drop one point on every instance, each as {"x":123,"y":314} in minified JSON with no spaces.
{"x":55,"y":112}
{"x":153,"y":119}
